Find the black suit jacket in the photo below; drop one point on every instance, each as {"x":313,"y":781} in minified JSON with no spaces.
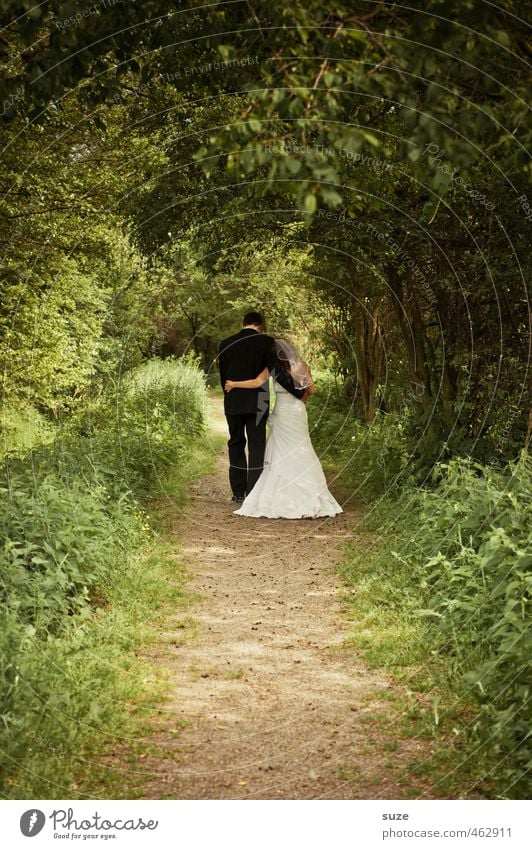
{"x":242,"y":357}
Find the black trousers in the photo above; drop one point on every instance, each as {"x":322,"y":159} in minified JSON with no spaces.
{"x":245,"y":472}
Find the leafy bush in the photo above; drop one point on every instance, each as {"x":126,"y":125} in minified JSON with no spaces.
{"x":70,"y":521}
{"x":374,"y":458}
{"x":474,"y":547}
{"x":449,"y":586}
{"x":142,"y":424}
{"x":59,"y":542}
{"x":22,"y":427}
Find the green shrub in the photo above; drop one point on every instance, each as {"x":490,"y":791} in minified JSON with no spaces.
{"x":22,"y":427}
{"x":474,"y":546}
{"x":70,"y":522}
{"x":143,"y":423}
{"x":453,"y":571}
{"x":59,"y":542}
{"x":373,"y":458}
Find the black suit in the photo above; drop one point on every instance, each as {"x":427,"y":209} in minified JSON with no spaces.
{"x":243,"y":357}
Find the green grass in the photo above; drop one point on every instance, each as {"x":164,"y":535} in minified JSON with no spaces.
{"x":92,"y":582}
{"x":385,"y":591}
{"x":437,"y":593}
{"x":380,"y":605}
{"x":102,"y":687}
{"x":198,"y":462}
{"x":101,"y":691}
{"x":22,"y":427}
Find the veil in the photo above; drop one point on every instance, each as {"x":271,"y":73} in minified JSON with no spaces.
{"x":299,"y":370}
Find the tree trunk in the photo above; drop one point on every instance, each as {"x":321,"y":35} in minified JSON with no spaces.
{"x":369,"y":355}
{"x":413,"y":330}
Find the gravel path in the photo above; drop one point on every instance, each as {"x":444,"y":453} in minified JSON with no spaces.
{"x":268,"y":701}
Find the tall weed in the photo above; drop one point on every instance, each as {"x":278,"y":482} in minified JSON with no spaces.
{"x":373,"y":458}
{"x":448,"y":581}
{"x":71,"y":522}
{"x":448,"y":588}
{"x":475,"y":548}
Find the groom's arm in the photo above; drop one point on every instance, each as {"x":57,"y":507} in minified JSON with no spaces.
{"x":281,"y":376}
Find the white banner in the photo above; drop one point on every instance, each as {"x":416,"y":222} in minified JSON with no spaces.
{"x":267,"y":824}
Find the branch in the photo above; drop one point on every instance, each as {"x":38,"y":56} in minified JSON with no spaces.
{"x":38,"y":212}
{"x":320,"y":73}
{"x":255,"y":18}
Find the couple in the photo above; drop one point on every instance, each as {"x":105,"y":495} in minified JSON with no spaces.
{"x":292,"y":485}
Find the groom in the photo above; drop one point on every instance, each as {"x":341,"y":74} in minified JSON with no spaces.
{"x":242,"y":357}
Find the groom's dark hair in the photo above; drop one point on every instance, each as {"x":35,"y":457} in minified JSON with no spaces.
{"x":253,"y":318}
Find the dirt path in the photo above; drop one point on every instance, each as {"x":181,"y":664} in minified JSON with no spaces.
{"x":268,"y":701}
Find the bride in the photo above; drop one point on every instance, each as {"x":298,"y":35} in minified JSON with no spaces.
{"x":292,"y":485}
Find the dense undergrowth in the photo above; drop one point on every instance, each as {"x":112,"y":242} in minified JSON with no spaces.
{"x":442,"y":597}
{"x":82,"y":573}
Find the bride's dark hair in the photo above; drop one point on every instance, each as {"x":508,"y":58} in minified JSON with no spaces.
{"x":292,"y":363}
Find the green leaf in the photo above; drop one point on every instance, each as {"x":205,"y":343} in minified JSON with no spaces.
{"x":310,"y":204}
{"x":293,"y":165}
{"x":331,"y":197}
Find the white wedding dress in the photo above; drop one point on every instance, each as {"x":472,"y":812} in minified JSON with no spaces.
{"x":292,"y":485}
